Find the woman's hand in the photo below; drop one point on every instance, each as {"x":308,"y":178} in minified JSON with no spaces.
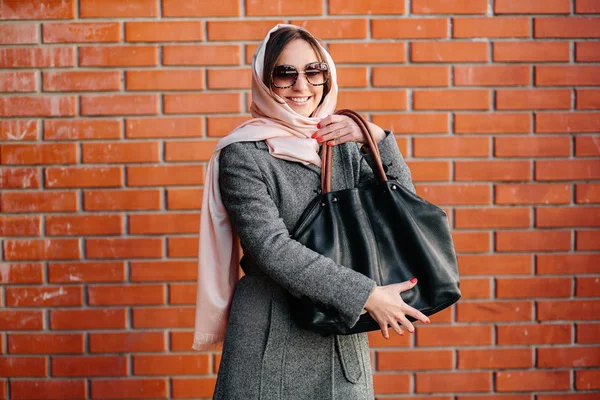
{"x":338,"y":129}
{"x":387,"y":308}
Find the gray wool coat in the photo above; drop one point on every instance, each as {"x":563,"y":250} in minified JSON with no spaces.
{"x":265,"y":354}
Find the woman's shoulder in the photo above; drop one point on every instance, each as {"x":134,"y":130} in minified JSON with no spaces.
{"x":238,"y":153}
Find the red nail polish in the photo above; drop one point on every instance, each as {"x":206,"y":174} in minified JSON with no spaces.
{"x":428,"y":322}
{"x":402,"y":334}
{"x":319,"y":125}
{"x":314,"y":135}
{"x":386,"y":338}
{"x":413,"y":280}
{"x":329,"y":144}
{"x":319,"y":139}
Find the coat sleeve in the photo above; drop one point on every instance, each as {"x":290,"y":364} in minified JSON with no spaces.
{"x":255,"y":218}
{"x":392,"y":160}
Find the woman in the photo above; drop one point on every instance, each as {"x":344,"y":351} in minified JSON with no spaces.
{"x":259,"y":180}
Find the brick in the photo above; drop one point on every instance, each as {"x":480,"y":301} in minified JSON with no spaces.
{"x":368,"y":100}
{"x":375,"y":52}
{"x":567,"y":170}
{"x":219,"y":126}
{"x":21,"y":320}
{"x":161,"y":127}
{"x":72,"y":177}
{"x":115,"y":152}
{"x":455,"y":194}
{"x":587,"y":99}
{"x":471,"y":288}
{"x":449,"y":7}
{"x":567,"y":264}
{"x":557,"y":217}
{"x":494,"y":264}
{"x":496,"y":123}
{"x":572,"y":27}
{"x":481,"y":218}
{"x":193,"y":387}
{"x":534,"y":334}
{"x":20,"y":226}
{"x":451,"y":147}
{"x":586,"y":380}
{"x":431,"y":382}
{"x":117,"y":8}
{"x":204,"y":54}
{"x":256,"y":8}
{"x":210,"y":102}
{"x":118,"y":56}
{"x":567,"y":75}
{"x":497,"y":397}
{"x":492,"y":170}
{"x":413,"y":123}
{"x":182,"y":293}
{"x":124,"y":248}
{"x":200,"y":8}
{"x":18,"y":82}
{"x":449,"y":52}
{"x":82,"y":129}
{"x":181,"y":340}
{"x":127,"y":104}
{"x":127,"y":342}
{"x":112,"y":295}
{"x":164,"y":80}
{"x":414,"y":360}
{"x":587,"y":51}
{"x":494,"y":27}
{"x":81,"y":32}
{"x":179,"y":31}
{"x":170,"y":364}
{"x":370,"y":7}
{"x":144,"y":224}
{"x":350,"y":77}
{"x":429,"y":171}
{"x":106,"y":200}
{"x":171,"y":317}
{"x":132,"y":388}
{"x":493,"y":75}
{"x":495,"y":358}
{"x":45,"y":343}
{"x":35,"y":154}
{"x":568,"y":357}
{"x":533,"y":99}
{"x":448,"y":99}
{"x":588,"y":333}
{"x":391,"y":383}
{"x":568,"y":310}
{"x":39,"y":106}
{"x":355,"y":28}
{"x":20,"y":129}
{"x":159,"y":271}
{"x":532,"y":7}
{"x":81,"y":81}
{"x":189,"y":150}
{"x":587,"y":7}
{"x":36,"y":57}
{"x":182,"y":247}
{"x":413,"y":28}
{"x":540,"y":146}
{"x":97,"y":318}
{"x":240,"y":30}
{"x":42,"y":249}
{"x":587,"y":193}
{"x":530,"y":51}
{"x":89,"y":272}
{"x":471,"y":242}
{"x":37,"y":9}
{"x":533,"y":241}
{"x":165,"y":175}
{"x":84,"y":225}
{"x":47,"y":296}
{"x":511,"y":288}
{"x":587,"y":240}
{"x":411,"y":76}
{"x":20,"y":273}
{"x":12,"y":367}
{"x":231,"y":78}
{"x":20,"y":178}
{"x":512,"y":381}
{"x":567,"y":122}
{"x":89,"y":366}
{"x":19,"y":34}
{"x":50,"y":389}
{"x":498,"y":311}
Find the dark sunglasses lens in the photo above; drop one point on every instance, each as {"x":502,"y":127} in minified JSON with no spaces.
{"x":284,"y":76}
{"x":316,"y":73}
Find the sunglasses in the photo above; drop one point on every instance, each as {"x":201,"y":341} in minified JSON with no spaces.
{"x":285,"y":76}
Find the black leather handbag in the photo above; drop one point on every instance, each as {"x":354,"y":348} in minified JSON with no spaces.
{"x":383,"y":231}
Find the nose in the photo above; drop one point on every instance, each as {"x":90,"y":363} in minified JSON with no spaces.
{"x":300,"y":83}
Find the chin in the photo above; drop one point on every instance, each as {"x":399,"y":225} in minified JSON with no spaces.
{"x":305,"y":111}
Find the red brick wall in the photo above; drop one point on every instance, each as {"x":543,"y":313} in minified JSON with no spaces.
{"x":110,"y":110}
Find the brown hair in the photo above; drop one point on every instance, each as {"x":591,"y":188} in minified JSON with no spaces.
{"x":277,"y":42}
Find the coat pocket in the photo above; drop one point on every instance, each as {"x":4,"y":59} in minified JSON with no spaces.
{"x":347,"y":348}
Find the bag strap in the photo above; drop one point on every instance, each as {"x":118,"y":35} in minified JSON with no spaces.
{"x":327,"y":152}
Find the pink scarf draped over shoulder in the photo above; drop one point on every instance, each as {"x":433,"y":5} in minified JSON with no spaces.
{"x":288,"y":136}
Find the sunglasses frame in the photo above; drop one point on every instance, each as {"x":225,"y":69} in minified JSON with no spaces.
{"x":324,"y":66}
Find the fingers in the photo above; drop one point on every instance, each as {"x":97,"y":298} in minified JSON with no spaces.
{"x":338,"y":129}
{"x":406,"y":323}
{"x":416,"y":314}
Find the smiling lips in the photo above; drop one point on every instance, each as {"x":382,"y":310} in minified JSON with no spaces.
{"x":299,"y":100}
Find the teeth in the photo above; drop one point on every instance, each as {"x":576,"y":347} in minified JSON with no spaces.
{"x":299,"y":99}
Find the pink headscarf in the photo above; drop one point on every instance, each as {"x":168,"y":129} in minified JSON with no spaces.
{"x":288,"y":136}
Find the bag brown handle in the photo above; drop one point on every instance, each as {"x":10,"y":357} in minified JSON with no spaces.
{"x":327,"y":152}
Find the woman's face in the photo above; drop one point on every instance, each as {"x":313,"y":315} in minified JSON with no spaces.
{"x":302,"y":97}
